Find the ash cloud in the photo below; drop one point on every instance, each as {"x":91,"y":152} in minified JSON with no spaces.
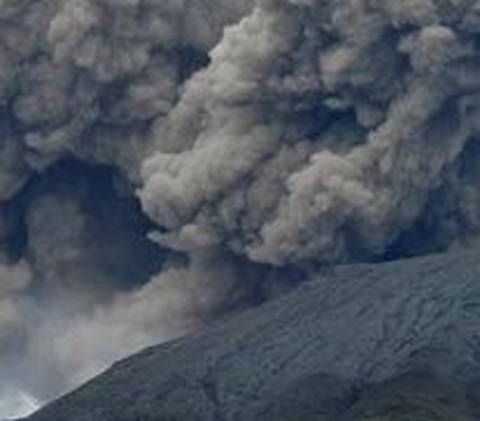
{"x":367,"y":105}
{"x":163,"y":162}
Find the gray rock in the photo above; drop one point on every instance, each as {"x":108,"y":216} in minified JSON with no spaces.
{"x":312,"y":350}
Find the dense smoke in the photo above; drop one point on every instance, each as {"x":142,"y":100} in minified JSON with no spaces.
{"x":320,"y":131}
{"x":165,"y":161}
{"x":82,"y":85}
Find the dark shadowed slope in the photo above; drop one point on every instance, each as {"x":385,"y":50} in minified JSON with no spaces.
{"x":365,"y":342}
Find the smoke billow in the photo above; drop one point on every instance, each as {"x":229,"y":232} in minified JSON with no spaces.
{"x":165,"y":161}
{"x":321,"y":131}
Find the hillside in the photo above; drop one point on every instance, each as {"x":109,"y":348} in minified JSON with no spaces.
{"x":381,"y":342}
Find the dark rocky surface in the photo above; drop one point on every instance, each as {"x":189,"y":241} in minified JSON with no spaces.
{"x":394,"y":341}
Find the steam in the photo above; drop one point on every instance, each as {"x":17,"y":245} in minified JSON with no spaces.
{"x":163,"y":162}
{"x":15,"y":404}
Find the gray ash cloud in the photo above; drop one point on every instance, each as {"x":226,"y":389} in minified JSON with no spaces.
{"x":165,"y":161}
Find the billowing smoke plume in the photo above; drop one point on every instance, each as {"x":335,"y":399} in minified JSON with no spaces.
{"x":165,"y":161}
{"x":322,"y":131}
{"x":83,"y":83}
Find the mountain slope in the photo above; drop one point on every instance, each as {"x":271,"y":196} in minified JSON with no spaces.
{"x":364,"y":342}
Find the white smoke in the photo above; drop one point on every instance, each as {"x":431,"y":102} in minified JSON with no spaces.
{"x":15,"y":404}
{"x":255,"y":134}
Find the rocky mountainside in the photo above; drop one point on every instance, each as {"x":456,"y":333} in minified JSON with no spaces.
{"x":381,"y":342}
